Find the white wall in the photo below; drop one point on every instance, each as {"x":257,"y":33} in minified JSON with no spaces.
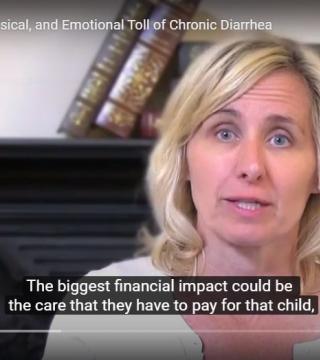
{"x":41,"y":71}
{"x":297,"y":19}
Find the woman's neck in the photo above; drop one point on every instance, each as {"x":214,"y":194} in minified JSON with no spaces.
{"x":223,"y":258}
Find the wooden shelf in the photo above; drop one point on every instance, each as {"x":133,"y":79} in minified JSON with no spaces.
{"x":73,"y":148}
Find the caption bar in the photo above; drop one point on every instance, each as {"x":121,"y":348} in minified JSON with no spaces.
{"x":162,"y":295}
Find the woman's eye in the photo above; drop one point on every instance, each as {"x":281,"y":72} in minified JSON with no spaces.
{"x":225,"y":135}
{"x":280,"y":140}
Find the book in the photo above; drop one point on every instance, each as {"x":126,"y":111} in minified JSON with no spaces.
{"x":143,"y":69}
{"x":205,"y":35}
{"x":187,"y":6}
{"x":152,"y":110}
{"x":104,"y":70}
{"x":147,"y":121}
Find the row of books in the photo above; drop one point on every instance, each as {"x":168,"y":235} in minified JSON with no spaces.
{"x":132,"y":74}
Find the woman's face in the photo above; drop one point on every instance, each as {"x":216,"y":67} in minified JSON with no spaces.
{"x":252,"y":164}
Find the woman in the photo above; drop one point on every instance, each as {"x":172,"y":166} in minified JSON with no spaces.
{"x":234,"y":183}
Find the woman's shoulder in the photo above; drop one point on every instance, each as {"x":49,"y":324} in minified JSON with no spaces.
{"x":141,"y":266}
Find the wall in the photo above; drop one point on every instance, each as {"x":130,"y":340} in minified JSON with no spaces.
{"x":41,"y":71}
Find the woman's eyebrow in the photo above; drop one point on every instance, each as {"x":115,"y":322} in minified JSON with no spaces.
{"x":274,"y":119}
{"x":228,"y":111}
{"x":277,"y":119}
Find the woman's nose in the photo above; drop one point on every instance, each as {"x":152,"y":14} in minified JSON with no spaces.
{"x":250,"y":165}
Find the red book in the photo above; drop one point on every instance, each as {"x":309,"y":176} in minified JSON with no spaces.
{"x":104,"y":70}
{"x":143,"y":68}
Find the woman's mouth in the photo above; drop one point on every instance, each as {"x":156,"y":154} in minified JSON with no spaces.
{"x":248,"y":207}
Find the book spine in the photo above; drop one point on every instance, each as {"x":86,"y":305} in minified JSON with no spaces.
{"x":147,"y":128}
{"x":142,"y":70}
{"x":186,"y":6}
{"x":104,"y":69}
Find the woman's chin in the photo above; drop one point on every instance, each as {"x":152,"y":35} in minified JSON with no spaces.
{"x":248,"y":238}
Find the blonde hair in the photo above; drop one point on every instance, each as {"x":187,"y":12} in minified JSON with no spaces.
{"x":218,"y":76}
